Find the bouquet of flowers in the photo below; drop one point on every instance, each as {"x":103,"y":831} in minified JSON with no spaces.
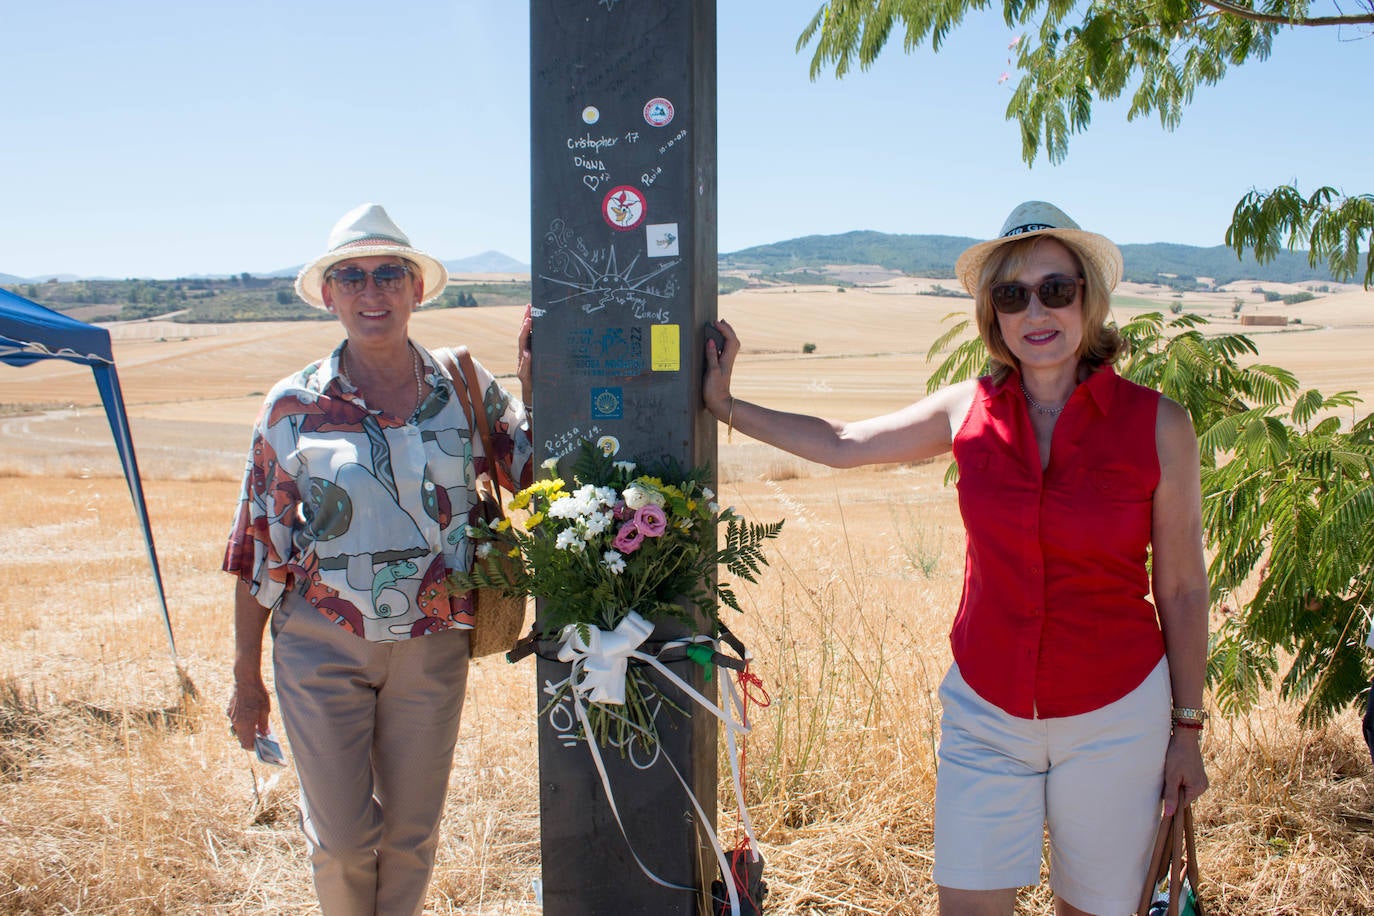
{"x":617,"y":546}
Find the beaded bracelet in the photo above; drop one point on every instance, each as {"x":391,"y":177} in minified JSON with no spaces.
{"x":1183,"y":723}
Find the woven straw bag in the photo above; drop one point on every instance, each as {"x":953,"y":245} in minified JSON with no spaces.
{"x":499,"y":617}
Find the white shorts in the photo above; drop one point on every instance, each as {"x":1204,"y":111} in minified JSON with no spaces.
{"x":1095,"y":779}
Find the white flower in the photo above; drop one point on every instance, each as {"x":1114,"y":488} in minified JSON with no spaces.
{"x":549,"y":464}
{"x":637,"y":497}
{"x":712,"y":507}
{"x":627,"y":466}
{"x":568,"y":540}
{"x":707,"y":494}
{"x":484,"y":550}
{"x":613,"y":562}
{"x":576,"y":507}
{"x":598,"y":522}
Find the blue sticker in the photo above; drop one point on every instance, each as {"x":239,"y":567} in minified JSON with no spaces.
{"x":607,"y":404}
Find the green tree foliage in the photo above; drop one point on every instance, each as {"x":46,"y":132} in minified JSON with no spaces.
{"x":1156,"y":51}
{"x":1288,"y":501}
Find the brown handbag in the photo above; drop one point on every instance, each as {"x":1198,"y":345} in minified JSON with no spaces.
{"x":499,"y":617}
{"x":1175,"y":855}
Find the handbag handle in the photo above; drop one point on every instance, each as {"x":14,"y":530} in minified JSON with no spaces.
{"x":1175,"y":854}
{"x":457,"y":361}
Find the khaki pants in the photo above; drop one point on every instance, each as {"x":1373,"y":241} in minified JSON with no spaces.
{"x":371,"y":728}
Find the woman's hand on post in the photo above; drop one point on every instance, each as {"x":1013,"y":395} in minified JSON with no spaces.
{"x":524,"y":357}
{"x":715,"y":386}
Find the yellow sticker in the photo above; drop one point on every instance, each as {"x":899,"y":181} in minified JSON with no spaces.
{"x":665,"y":348}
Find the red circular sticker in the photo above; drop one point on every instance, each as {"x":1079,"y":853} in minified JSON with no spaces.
{"x":658,"y":112}
{"x":623,"y":207}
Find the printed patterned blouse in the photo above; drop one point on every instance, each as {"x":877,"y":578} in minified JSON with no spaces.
{"x":363,"y":513}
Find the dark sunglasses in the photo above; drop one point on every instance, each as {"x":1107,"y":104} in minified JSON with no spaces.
{"x":1053,"y":292}
{"x":351,"y":279}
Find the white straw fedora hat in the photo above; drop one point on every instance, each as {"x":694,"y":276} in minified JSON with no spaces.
{"x":365,"y":232}
{"x":1038,"y":218}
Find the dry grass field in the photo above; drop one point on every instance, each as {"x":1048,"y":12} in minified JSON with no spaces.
{"x":119,"y":795}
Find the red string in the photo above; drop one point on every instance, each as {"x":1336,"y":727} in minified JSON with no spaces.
{"x":752,"y":690}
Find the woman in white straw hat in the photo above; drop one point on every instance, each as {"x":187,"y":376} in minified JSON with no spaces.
{"x":1072,"y":701}
{"x":358,"y":488}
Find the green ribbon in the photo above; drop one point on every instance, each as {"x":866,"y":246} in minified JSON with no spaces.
{"x":703,"y":656}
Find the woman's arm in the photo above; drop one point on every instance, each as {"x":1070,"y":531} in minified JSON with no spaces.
{"x":250,"y":703}
{"x":920,"y":430}
{"x":1180,"y":591}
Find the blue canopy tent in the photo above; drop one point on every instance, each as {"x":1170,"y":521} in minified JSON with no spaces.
{"x":29,"y":333}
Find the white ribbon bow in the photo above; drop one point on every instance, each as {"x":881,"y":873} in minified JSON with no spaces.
{"x":604,"y":659}
{"x":599,"y":668}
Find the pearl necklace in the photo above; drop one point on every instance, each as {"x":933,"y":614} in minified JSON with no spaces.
{"x":1040,"y":408}
{"x":415,"y":367}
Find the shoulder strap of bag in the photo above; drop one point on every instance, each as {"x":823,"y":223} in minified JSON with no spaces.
{"x":457,"y":361}
{"x":1190,"y":844}
{"x":1159,"y":864}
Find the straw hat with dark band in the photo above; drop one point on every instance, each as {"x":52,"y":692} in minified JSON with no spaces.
{"x":366,"y":232}
{"x":1037,"y":218}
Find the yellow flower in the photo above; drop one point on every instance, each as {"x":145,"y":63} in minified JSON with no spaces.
{"x":502,"y":525}
{"x":691,"y":505}
{"x":521,"y":500}
{"x":513,"y":552}
{"x":533,"y":521}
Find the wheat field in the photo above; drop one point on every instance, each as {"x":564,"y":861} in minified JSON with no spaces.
{"x":119,"y":793}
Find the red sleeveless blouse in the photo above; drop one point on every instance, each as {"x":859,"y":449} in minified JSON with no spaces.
{"x":1054,"y":619}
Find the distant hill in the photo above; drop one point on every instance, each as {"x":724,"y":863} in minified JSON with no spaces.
{"x":488,"y":262}
{"x":8,"y":279}
{"x":918,"y":255}
{"x":934,"y":256}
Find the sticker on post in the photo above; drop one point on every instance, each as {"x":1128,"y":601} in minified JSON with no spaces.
{"x":607,"y":404}
{"x":658,"y":112}
{"x":623,"y":208}
{"x":590,"y":115}
{"x":609,"y":445}
{"x":661,"y":240}
{"x":665,"y":348}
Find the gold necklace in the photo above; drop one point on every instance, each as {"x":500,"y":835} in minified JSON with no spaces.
{"x":415,"y":368}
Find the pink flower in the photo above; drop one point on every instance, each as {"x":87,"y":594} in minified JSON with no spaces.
{"x":650,"y":520}
{"x":628,"y":538}
{"x":621,"y":511}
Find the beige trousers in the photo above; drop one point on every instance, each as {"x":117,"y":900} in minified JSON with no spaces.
{"x":371,"y":728}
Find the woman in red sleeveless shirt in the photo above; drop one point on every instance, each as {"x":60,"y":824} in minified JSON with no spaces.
{"x":1073,"y":701}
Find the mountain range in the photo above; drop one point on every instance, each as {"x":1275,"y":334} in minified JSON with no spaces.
{"x":917,"y":255}
{"x":488,"y":262}
{"x":934,"y":256}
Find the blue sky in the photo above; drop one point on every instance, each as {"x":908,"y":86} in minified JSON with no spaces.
{"x":157,"y":139}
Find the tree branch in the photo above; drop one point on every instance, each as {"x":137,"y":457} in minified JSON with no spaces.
{"x":1244,"y":13}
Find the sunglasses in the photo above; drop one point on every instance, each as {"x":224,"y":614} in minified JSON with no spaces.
{"x":388,"y":277}
{"x":1053,"y":292}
